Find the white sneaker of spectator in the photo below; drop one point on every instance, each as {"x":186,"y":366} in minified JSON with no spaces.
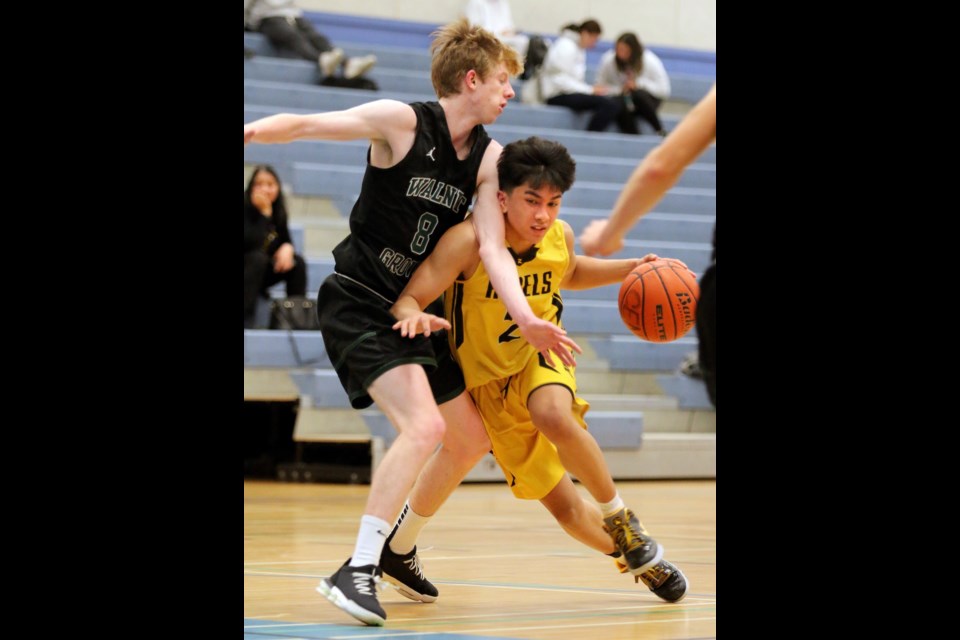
{"x":330,"y":60}
{"x":359,"y":66}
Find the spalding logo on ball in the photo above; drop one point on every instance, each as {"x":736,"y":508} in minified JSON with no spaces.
{"x":658,"y":300}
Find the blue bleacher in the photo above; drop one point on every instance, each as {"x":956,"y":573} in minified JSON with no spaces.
{"x":578,"y":142}
{"x":611,"y":429}
{"x":353,"y":153}
{"x":690,"y":393}
{"x":391,"y":75}
{"x":316,"y":98}
{"x":305,"y":73}
{"x":315,"y":179}
{"x":406,"y":45}
{"x":628,"y":353}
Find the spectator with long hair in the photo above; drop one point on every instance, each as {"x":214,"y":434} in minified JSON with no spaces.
{"x":268,"y":253}
{"x":636,"y":74}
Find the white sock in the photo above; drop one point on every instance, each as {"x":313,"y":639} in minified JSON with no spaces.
{"x":610,"y":508}
{"x":408,"y":530}
{"x":373,"y":533}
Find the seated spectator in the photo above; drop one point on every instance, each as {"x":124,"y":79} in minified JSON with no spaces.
{"x":495,"y":17}
{"x":268,"y":255}
{"x":563,"y":77}
{"x":282,"y":22}
{"x":638,"y":76}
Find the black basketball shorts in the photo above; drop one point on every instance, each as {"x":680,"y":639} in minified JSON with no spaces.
{"x":356,"y":326}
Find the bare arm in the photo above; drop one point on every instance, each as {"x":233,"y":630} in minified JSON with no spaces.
{"x":456,"y":253}
{"x":659,"y":171}
{"x":587,"y":273}
{"x":389,"y":125}
{"x":488,"y":222}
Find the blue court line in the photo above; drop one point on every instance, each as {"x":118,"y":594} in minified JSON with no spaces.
{"x":316,"y":631}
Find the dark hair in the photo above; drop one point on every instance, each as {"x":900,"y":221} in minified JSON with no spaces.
{"x":635,"y":61}
{"x":280,"y":205}
{"x":535,"y":161}
{"x":590,"y":26}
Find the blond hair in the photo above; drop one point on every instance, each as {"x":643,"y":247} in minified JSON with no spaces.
{"x":459,"y":47}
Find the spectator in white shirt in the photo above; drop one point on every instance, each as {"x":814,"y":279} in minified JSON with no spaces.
{"x":564,"y":76}
{"x":638,"y":76}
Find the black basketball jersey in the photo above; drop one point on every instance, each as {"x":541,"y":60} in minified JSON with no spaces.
{"x":402,"y":211}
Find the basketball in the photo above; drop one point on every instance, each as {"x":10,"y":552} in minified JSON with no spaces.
{"x":658,"y":300}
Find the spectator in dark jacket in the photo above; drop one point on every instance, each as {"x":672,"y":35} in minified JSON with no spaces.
{"x":268,"y":254}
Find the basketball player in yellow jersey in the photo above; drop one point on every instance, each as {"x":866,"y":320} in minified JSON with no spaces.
{"x":530,"y":409}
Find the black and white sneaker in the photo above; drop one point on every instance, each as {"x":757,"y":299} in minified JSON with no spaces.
{"x":354,"y":589}
{"x":406,"y":574}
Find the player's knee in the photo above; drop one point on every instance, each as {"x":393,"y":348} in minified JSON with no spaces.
{"x":572,"y":515}
{"x":554,"y":422}
{"x":429,"y":433}
{"x":472,"y":444}
{"x":565,"y":515}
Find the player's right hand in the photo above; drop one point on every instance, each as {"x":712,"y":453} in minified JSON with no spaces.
{"x":424,"y":323}
{"x":591,"y":242}
{"x":549,"y":340}
{"x":247,"y":135}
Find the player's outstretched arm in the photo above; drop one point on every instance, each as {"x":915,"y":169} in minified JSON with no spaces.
{"x":585,"y":272}
{"x":377,"y":120}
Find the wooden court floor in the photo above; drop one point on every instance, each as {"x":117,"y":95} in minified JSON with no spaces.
{"x":503,"y":566}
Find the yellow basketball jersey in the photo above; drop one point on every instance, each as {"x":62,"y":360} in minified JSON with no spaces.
{"x":483,"y":337}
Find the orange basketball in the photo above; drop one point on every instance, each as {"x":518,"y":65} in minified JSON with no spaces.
{"x":658,"y":300}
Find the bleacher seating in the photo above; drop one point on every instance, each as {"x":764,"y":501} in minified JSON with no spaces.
{"x":578,"y":141}
{"x":616,"y":362}
{"x":405,"y":45}
{"x":314,"y":98}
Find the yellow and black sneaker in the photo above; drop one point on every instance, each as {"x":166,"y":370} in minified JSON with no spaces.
{"x":640,"y":551}
{"x":664,"y":579}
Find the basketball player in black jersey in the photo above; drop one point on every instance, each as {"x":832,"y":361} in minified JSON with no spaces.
{"x":425,"y":164}
{"x":659,"y":171}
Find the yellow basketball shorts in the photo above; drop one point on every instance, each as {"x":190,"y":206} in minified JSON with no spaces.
{"x":528,"y":460}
